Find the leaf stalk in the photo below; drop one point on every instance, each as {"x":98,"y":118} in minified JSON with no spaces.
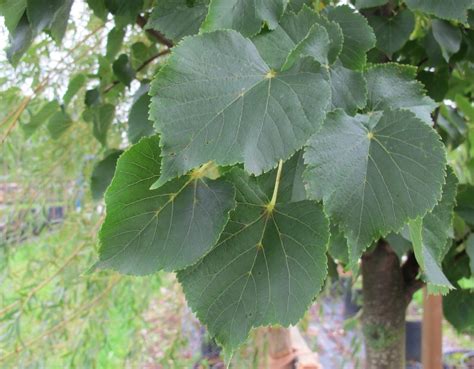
{"x":273,"y":201}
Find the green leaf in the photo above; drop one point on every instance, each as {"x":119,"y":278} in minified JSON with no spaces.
{"x":448,"y":37}
{"x":400,"y":243}
{"x":12,"y":11}
{"x":393,"y":32}
{"x":75,"y":84}
{"x":348,"y":87}
{"x":465,"y":203}
{"x":431,"y":237}
{"x":436,"y":82}
{"x":209,"y":104}
{"x":178,"y":18}
{"x":60,"y":21}
{"x":114,"y":42}
{"x":245,"y":16}
{"x":315,"y":44}
{"x":41,"y":117}
{"x":99,"y":8}
{"x":394,"y":86}
{"x":102,"y":118}
{"x":438,"y":223}
{"x":453,"y":125}
{"x":141,"y":54}
{"x":362,"y":4}
{"x":125,"y":11}
{"x":466,"y":107}
{"x":470,"y":252}
{"x":358,"y":36}
{"x":41,"y":13}
{"x":275,"y":46}
{"x":103,"y":173}
{"x":59,"y":123}
{"x":139,"y":125}
{"x":291,"y":184}
{"x":458,"y":309}
{"x":445,"y":9}
{"x":51,"y":15}
{"x":433,"y":50}
{"x":267,"y":267}
{"x":20,"y":40}
{"x":374,"y":172}
{"x":169,"y":228}
{"x":338,"y":248}
{"x":123,"y":70}
{"x":296,"y":5}
{"x":92,"y":97}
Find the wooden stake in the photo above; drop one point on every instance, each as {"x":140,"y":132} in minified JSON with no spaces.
{"x":288,"y":350}
{"x":432,"y":344}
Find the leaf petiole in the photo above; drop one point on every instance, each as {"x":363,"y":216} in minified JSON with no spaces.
{"x":272,"y":203}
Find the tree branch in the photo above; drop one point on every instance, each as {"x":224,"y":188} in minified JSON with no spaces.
{"x":144,"y":64}
{"x":141,"y":21}
{"x":410,"y":270}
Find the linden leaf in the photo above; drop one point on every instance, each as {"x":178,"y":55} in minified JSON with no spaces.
{"x":245,"y":16}
{"x":266,"y":268}
{"x":348,"y":87}
{"x":178,"y":18}
{"x":394,"y":86}
{"x":103,"y":173}
{"x":374,"y":172}
{"x":296,"y":5}
{"x":298,"y":31}
{"x":316,"y":45}
{"x":217,"y":99}
{"x":393,"y":32}
{"x":12,"y":11}
{"x":169,"y":228}
{"x":458,"y":309}
{"x":358,"y":36}
{"x":431,"y":237}
{"x":139,"y":124}
{"x":362,"y":4}
{"x":445,"y":9}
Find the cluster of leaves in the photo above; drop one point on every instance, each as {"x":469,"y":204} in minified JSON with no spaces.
{"x":288,"y":133}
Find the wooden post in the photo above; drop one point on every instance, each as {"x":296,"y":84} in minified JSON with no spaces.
{"x":280,"y":348}
{"x":432,"y":344}
{"x":288,"y":349}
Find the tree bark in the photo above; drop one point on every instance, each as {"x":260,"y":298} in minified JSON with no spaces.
{"x":386,"y":295}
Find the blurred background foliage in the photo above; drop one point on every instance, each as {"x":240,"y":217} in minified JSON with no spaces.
{"x":53,"y":314}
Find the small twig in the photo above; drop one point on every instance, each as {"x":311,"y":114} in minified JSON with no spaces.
{"x":141,"y":67}
{"x":141,"y":21}
{"x":435,"y":117}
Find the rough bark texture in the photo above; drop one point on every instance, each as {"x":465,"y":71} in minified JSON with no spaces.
{"x":386,"y":293}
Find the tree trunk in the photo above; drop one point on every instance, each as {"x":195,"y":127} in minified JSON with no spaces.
{"x":385,"y":302}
